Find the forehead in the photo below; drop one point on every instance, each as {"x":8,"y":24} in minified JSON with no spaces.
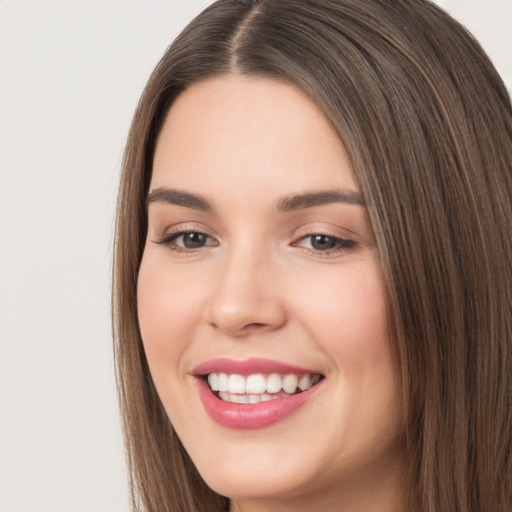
{"x":249,"y":133}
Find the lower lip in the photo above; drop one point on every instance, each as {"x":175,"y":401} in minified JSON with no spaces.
{"x":251,"y":416}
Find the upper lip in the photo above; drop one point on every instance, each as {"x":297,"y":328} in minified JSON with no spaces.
{"x":248,"y":367}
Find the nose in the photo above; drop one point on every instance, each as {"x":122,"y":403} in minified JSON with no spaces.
{"x":247,"y":298}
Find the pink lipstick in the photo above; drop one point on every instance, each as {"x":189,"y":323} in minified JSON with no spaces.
{"x":253,"y":393}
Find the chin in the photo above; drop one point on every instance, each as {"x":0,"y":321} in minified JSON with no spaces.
{"x":255,"y":482}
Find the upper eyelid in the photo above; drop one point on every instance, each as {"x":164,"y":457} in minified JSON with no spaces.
{"x":334,"y":237}
{"x":183,"y":227}
{"x":299,"y":233}
{"x":332,"y":230}
{"x":169,"y":241}
{"x":342,"y":244}
{"x":317,"y":227}
{"x":172,"y":235}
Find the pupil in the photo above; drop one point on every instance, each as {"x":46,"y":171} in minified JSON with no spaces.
{"x":322,"y":242}
{"x":194,"y":240}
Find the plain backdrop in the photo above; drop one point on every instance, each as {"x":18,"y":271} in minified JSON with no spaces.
{"x":71,"y":72}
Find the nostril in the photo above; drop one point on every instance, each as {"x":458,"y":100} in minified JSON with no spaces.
{"x":254,"y":325}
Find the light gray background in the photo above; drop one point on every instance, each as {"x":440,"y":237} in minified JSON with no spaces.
{"x":70,"y":76}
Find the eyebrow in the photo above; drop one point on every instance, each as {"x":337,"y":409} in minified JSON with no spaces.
{"x":301,"y":201}
{"x":286,"y":204}
{"x":179,"y":198}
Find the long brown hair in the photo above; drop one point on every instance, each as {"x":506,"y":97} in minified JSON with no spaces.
{"x":427,"y":124}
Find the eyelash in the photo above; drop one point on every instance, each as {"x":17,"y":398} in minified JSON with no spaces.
{"x":170,"y":239}
{"x":340,"y":245}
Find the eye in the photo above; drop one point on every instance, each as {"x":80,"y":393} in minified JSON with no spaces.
{"x":183,"y":241}
{"x":325,"y":243}
{"x":191,"y":240}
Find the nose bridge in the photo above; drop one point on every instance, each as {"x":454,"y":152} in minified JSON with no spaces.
{"x":245,"y":297}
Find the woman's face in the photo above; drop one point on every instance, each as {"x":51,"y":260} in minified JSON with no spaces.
{"x":260,"y":273}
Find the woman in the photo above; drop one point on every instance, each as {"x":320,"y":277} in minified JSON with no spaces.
{"x":312,"y":297}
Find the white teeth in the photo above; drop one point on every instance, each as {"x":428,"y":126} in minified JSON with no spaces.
{"x":236,"y":383}
{"x":258,"y":387}
{"x":274,"y":383}
{"x":223,"y":381}
{"x":249,"y":399}
{"x":290,"y":383}
{"x":213,"y":381}
{"x":304,"y":382}
{"x":239,"y":399}
{"x":255,"y":384}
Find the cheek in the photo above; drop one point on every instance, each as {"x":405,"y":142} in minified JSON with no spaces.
{"x":350,"y":326}
{"x":167,"y":305}
{"x":347,"y":314}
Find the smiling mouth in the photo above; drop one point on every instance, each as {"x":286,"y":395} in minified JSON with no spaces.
{"x":256,"y":388}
